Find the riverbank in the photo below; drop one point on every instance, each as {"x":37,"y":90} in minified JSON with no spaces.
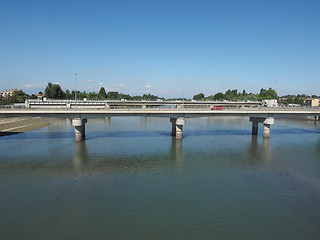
{"x":17,"y":125}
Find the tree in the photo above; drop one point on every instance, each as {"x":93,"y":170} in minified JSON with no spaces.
{"x":267,"y":94}
{"x":33,"y":96}
{"x":2,"y":100}
{"x":198,"y":97}
{"x":219,"y":96}
{"x":102,"y":93}
{"x":18,"y":96}
{"x":149,"y":97}
{"x":113,"y":96}
{"x":54,"y":91}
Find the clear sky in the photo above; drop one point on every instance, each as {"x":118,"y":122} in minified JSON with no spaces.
{"x":138,"y":47}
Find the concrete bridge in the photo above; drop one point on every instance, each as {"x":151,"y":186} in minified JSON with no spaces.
{"x":124,"y":104}
{"x":177,"y":117}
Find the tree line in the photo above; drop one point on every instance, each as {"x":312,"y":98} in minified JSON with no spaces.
{"x":234,"y":95}
{"x":54,"y":91}
{"x":18,"y":96}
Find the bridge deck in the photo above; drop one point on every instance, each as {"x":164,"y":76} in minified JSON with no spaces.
{"x":265,"y":112}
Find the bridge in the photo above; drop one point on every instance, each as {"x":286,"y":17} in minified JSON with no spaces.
{"x":177,"y":115}
{"x":115,"y":104}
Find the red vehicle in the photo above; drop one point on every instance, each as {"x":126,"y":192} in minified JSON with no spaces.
{"x":217,"y":107}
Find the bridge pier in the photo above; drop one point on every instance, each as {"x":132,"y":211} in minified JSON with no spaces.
{"x":266,"y":130}
{"x":177,"y":127}
{"x":173,"y":121}
{"x":255,"y":125}
{"x":266,"y":125}
{"x":79,"y":128}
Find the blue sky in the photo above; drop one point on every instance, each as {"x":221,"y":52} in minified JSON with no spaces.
{"x":138,"y":47}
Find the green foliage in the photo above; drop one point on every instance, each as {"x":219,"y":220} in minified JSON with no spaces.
{"x":267,"y":94}
{"x":234,"y":95}
{"x":54,"y":91}
{"x":68,"y":95}
{"x":18,"y":96}
{"x":2,"y":101}
{"x":102,"y":93}
{"x":33,"y":96}
{"x":113,"y":96}
{"x":198,"y":97}
{"x":218,"y":96}
{"x":149,"y":97}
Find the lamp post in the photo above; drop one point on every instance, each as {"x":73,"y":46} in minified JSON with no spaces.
{"x":183,"y":91}
{"x":274,"y":92}
{"x":75,"y":86}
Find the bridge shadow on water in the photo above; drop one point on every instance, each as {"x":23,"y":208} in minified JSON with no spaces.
{"x":152,"y":133}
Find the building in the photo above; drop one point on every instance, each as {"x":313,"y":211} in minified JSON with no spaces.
{"x":311,"y":102}
{"x":7,"y":93}
{"x":270,"y":103}
{"x":40,"y":96}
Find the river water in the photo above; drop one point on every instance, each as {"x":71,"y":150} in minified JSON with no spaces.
{"x":131,"y":180}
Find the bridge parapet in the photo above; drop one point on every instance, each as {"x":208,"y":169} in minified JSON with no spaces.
{"x":114,"y":104}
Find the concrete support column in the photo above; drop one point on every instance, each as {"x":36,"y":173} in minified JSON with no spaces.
{"x":179,"y":130}
{"x":255,"y":125}
{"x":266,"y":130}
{"x":267,"y":121}
{"x":173,"y":121}
{"x":80,"y":130}
{"x":26,"y":103}
{"x":266,"y":126}
{"x":177,"y":127}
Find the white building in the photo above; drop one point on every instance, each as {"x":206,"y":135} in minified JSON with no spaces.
{"x":270,"y":103}
{"x":7,"y":93}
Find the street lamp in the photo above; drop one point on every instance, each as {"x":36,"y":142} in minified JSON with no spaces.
{"x":75,"y":86}
{"x":183,"y":91}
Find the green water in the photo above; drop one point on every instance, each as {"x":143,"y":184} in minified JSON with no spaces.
{"x":131,"y":180}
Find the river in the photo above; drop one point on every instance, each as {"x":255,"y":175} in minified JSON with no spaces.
{"x":131,"y":180}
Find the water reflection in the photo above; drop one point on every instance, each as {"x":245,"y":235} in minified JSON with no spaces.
{"x":176,"y":151}
{"x":265,"y":150}
{"x":80,"y":155}
{"x":107,"y":120}
{"x":68,"y":121}
{"x":143,"y":122}
{"x":210,"y":120}
{"x":253,"y":149}
{"x":259,"y":153}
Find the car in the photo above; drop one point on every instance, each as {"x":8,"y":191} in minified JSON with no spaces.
{"x":219,"y":107}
